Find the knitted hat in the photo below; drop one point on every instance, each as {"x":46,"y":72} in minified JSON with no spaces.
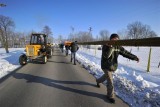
{"x":114,"y":35}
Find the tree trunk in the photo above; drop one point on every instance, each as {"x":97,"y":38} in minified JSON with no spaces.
{"x":6,"y":45}
{"x":6,"y":42}
{"x":6,"y":48}
{"x":3,"y":39}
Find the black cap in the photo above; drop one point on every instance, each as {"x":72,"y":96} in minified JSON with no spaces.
{"x":114,"y":35}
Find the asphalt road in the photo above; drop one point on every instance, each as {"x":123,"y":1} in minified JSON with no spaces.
{"x":58,"y":83}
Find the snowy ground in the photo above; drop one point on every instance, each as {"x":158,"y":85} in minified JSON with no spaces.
{"x":132,"y":83}
{"x":9,"y":61}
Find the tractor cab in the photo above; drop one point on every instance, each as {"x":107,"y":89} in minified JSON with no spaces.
{"x":38,"y":39}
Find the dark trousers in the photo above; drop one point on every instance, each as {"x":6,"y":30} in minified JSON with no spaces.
{"x":62,"y":50}
{"x":110,"y":87}
{"x":73,"y":57}
{"x":66,"y":52}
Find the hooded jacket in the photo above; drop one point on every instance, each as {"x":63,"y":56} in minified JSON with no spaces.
{"x":110,"y":55}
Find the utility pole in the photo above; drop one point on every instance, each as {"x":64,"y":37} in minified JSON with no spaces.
{"x":72,"y":28}
{"x":90,"y":30}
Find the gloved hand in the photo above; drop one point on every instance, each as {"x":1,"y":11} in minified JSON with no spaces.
{"x":137,"y":59}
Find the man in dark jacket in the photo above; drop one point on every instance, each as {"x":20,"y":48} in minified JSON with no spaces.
{"x":67,"y":48}
{"x":109,"y":64}
{"x":74,"y":48}
{"x":61,"y":47}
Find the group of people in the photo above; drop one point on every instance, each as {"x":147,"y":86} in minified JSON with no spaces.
{"x":109,"y":63}
{"x":73,"y":47}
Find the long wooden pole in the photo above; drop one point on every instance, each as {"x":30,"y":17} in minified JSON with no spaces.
{"x":130,"y":42}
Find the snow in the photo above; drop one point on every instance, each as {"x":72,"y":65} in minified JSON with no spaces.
{"x":132,"y":82}
{"x":9,"y":61}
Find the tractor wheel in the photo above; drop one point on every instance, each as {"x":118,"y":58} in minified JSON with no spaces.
{"x":44,"y":59}
{"x":23,"y":59}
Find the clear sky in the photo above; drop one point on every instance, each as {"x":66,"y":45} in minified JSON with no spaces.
{"x":60,"y":15}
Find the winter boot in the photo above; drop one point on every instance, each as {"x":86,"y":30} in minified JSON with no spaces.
{"x":111,"y":100}
{"x":98,"y":85}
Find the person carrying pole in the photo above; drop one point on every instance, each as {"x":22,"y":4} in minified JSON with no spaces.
{"x":109,"y":64}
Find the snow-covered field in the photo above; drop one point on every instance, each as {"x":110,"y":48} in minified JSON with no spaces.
{"x":132,"y":83}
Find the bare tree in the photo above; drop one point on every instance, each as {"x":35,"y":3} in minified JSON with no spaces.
{"x":6,"y":24}
{"x":72,"y":35}
{"x":11,"y":35}
{"x":19,"y":39}
{"x":60,"y":38}
{"x":83,"y":36}
{"x":123,"y":34}
{"x":104,"y":35}
{"x":0,"y":37}
{"x":47,"y":30}
{"x":138,"y":30}
{"x":27,"y":37}
{"x":147,"y":32}
{"x":134,"y":30}
{"x":152,"y":34}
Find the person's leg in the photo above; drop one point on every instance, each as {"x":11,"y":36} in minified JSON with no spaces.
{"x":110,"y":86}
{"x":74,"y":58}
{"x":67,"y":52}
{"x":71,"y":56}
{"x":101,"y":79}
{"x":62,"y":50}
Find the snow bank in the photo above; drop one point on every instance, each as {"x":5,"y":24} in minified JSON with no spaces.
{"x":135,"y":86}
{"x":9,"y":61}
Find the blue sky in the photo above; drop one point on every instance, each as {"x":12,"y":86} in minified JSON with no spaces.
{"x":60,"y":15}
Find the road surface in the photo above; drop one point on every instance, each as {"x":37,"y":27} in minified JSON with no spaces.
{"x":58,"y":83}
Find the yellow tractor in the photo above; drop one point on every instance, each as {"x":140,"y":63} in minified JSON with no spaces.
{"x":37,"y":50}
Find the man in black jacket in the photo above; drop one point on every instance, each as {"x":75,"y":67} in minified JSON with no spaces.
{"x":74,"y":48}
{"x":67,"y":48}
{"x":61,"y":47}
{"x":109,"y":64}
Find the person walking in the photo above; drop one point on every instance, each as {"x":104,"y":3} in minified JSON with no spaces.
{"x":61,"y":47}
{"x":109,"y":64}
{"x":74,"y":48}
{"x":67,"y":48}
